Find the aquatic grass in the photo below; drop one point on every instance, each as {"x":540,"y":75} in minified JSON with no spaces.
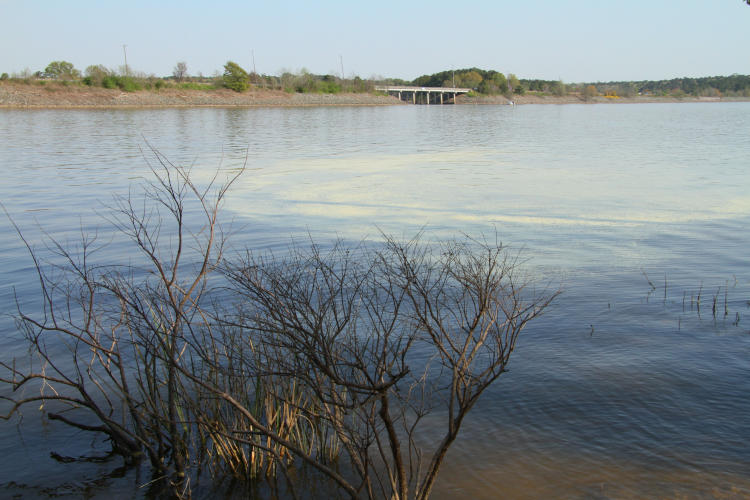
{"x":720,"y":300}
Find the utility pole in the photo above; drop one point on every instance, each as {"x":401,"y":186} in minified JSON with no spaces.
{"x":255,"y":74}
{"x":125,"y":52}
{"x":341,"y":59}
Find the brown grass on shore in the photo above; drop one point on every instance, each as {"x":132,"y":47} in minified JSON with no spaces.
{"x":57,"y":95}
{"x":51,"y":94}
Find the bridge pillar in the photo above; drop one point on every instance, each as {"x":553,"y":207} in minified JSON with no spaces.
{"x":428,"y":97}
{"x":414,"y":97}
{"x":441,"y":98}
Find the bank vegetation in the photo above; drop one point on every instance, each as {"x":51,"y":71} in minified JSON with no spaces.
{"x":202,"y":90}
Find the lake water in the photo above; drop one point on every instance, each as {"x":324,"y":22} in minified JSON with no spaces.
{"x":620,"y":391}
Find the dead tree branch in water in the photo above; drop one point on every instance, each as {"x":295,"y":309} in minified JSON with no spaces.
{"x":253,"y":366}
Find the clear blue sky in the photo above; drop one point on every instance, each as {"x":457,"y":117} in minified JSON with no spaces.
{"x":577,"y":40}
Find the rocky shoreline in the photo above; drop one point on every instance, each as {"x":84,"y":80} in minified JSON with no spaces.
{"x":56,"y":95}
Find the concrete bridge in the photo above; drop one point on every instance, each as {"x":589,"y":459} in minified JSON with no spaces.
{"x":423,"y":95}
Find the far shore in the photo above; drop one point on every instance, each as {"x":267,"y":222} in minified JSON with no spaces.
{"x":55,"y":95}
{"x":532,"y":98}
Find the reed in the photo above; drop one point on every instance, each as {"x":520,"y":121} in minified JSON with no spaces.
{"x":713,"y":306}
{"x":720,"y":303}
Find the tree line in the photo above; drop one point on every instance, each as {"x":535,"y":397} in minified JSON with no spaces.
{"x":487,"y":82}
{"x":233,"y":77}
{"x":713,"y":86}
{"x":484,"y":82}
{"x":490,"y":82}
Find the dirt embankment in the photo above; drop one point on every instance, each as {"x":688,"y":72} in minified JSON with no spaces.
{"x":55,"y":95}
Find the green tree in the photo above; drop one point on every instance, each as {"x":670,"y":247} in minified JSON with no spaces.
{"x":304,"y":82}
{"x":499,"y":80}
{"x":557,"y":88}
{"x":494,"y":83}
{"x":470,"y":79}
{"x":62,"y":70}
{"x":235,"y":77}
{"x":513,"y":82}
{"x":96,"y":74}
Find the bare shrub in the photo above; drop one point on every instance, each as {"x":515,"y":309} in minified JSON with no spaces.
{"x":374,"y":340}
{"x":180,"y":71}
{"x":111,"y":340}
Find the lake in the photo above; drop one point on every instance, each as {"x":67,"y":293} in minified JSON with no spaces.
{"x":623,"y":389}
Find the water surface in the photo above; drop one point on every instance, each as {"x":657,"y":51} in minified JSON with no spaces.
{"x":621,"y":391}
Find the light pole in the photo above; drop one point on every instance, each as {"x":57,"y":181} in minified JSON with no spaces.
{"x":125,"y":53}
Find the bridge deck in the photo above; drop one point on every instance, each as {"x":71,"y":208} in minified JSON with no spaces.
{"x":423,"y":95}
{"x":445,"y":90}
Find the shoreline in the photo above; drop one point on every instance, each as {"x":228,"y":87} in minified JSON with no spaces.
{"x":529,"y":98}
{"x":57,"y":96}
{"x":54,"y":95}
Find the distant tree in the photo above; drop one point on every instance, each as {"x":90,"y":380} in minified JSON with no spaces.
{"x":180,"y":71}
{"x":558,"y":88}
{"x":628,"y":89}
{"x":96,"y":74}
{"x":328,"y":85}
{"x":534,"y":85}
{"x":4,"y":76}
{"x":304,"y":82}
{"x":710,"y":92}
{"x":470,"y":79}
{"x":589,"y":91}
{"x":499,"y":80}
{"x":25,"y":74}
{"x":96,"y":70}
{"x":513,"y":82}
{"x":360,"y":85}
{"x":494,"y":83}
{"x":287,"y":81}
{"x":235,"y":77}
{"x":62,"y":70}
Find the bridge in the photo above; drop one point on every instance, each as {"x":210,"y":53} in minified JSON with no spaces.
{"x":423,"y":95}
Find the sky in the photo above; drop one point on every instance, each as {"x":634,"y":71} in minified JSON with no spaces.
{"x":576,"y":41}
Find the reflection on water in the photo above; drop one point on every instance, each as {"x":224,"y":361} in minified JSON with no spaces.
{"x":621,"y":391}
